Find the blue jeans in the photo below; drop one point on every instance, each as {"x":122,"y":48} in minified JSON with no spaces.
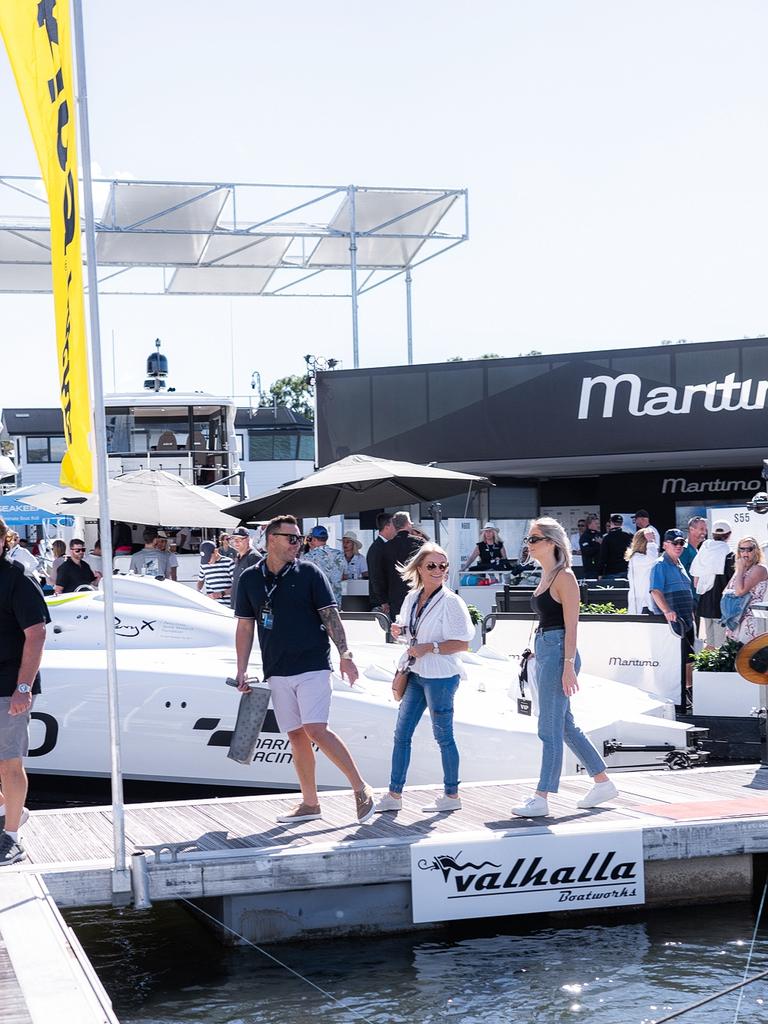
{"x":437,"y":695}
{"x":556,"y":722}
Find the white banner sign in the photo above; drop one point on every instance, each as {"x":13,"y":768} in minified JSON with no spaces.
{"x":455,"y":877}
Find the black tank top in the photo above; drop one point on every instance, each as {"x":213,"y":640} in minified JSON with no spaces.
{"x":549,"y":610}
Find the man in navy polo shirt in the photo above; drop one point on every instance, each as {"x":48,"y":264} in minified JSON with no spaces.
{"x":293,"y":606}
{"x":672,"y":594}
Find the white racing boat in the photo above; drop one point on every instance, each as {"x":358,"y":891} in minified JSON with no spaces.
{"x":175,"y":650}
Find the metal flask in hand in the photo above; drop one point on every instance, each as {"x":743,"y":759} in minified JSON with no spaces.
{"x":251,"y":713}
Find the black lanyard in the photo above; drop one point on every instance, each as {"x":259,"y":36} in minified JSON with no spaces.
{"x":418,"y":613}
{"x":269,"y":591}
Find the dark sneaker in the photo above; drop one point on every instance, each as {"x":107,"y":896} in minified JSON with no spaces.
{"x":304,"y":812}
{"x":366,"y":806}
{"x":11,"y":850}
{"x":24,"y":817}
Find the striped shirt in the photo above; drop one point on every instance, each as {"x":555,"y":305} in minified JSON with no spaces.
{"x":217,"y":577}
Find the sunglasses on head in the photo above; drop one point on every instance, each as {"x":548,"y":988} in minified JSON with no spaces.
{"x":747,"y":550}
{"x":293,"y":538}
{"x":431,"y":566}
{"x":533,"y":540}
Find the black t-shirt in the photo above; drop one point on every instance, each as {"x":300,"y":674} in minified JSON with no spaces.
{"x":21,"y":605}
{"x":297,"y":641}
{"x":70,"y":576}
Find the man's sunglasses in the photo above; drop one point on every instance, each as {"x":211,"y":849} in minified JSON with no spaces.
{"x":293,"y":538}
{"x":431,"y":566}
{"x":747,"y":550}
{"x":81,"y":550}
{"x":677,"y":543}
{"x":532,"y":540}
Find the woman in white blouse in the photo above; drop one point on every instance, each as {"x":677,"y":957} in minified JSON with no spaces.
{"x":641,"y":557}
{"x":437,"y":628}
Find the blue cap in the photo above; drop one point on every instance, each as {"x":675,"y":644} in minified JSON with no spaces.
{"x":674,"y":535}
{"x":319,"y":532}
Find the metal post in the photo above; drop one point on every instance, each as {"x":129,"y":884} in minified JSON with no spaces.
{"x":409,"y":314}
{"x":121,"y":879}
{"x":353,"y":275}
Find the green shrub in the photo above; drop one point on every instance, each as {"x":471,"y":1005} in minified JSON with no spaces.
{"x":475,"y":614}
{"x":601,"y":609}
{"x":719,"y":659}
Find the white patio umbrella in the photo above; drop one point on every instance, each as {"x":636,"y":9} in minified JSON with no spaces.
{"x":149,"y":496}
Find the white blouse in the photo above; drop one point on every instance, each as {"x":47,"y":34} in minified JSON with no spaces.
{"x":639,"y":577}
{"x":446,"y":618}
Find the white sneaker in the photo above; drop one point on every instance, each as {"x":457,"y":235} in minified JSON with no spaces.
{"x":388,"y":803}
{"x":24,"y":817}
{"x":534,"y":807}
{"x":443,"y":803}
{"x":600,"y":793}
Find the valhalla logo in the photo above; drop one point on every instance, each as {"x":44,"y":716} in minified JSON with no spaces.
{"x":522,"y":874}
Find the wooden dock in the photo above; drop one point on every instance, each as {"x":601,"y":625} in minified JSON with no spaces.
{"x":45,"y":977}
{"x":702,"y":832}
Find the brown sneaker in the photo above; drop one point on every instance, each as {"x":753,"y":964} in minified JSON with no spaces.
{"x":366,"y":807}
{"x":304,"y":812}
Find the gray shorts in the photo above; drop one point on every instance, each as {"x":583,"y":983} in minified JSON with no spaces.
{"x":14,"y":732}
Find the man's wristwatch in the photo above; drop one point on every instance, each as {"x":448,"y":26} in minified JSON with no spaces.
{"x":347,"y":655}
{"x":435,"y":647}
{"x":24,"y":688}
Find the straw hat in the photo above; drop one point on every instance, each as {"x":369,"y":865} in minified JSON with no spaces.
{"x":752,"y":660}
{"x":351,"y":535}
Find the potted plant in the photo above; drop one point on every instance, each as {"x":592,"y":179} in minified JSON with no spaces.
{"x":718,"y":689}
{"x":477,"y":621}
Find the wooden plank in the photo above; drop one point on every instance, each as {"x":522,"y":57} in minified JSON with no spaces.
{"x":13,"y":1008}
{"x":54,"y":978}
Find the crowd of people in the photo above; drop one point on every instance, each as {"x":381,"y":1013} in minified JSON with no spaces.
{"x":287,"y":595}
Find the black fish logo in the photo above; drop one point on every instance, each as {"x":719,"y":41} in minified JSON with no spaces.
{"x":447,"y":864}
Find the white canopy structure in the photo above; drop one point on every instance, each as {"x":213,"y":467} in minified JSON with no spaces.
{"x":202,"y":238}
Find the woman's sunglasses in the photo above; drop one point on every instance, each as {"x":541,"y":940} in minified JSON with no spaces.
{"x":431,"y":566}
{"x":532,"y":540}
{"x":747,"y":550}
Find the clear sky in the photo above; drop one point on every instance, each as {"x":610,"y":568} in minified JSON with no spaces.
{"x":614,"y":153}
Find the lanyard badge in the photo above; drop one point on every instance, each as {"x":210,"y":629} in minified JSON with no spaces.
{"x":267,"y":617}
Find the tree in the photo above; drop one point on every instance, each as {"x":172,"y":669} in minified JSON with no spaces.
{"x":293,"y":393}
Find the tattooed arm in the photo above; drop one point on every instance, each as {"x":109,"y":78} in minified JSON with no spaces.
{"x":332,"y":621}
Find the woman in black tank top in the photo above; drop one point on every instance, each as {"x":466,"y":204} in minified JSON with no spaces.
{"x":556,"y":663}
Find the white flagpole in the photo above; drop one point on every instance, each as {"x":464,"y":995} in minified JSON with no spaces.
{"x":121,"y":880}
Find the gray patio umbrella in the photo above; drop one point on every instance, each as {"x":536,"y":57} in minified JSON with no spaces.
{"x":356,"y":484}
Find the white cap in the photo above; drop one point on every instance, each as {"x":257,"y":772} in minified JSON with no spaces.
{"x":721,"y":526}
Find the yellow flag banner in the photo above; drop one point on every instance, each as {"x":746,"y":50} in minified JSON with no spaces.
{"x":37,"y":36}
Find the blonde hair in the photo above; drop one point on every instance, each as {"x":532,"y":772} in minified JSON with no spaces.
{"x":760,"y":557}
{"x":551,"y":530}
{"x":639,"y":545}
{"x":491,"y":529}
{"x":59,"y":548}
{"x":410,"y":571}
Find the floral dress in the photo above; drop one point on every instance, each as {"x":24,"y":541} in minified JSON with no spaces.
{"x":750,"y":626}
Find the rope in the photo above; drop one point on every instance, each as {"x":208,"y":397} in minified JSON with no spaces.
{"x":751,"y":949}
{"x":269,"y":956}
{"x":740,"y":985}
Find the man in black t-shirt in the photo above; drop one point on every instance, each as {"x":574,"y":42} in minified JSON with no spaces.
{"x":611,"y":563}
{"x":74,"y":572}
{"x":293,"y":606}
{"x":23,"y":615}
{"x":244,"y":557}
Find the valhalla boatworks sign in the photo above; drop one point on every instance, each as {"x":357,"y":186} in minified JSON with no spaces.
{"x":453,"y":878}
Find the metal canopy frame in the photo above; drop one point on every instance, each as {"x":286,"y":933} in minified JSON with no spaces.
{"x":227,"y":239}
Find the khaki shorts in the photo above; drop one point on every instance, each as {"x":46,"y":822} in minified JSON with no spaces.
{"x":299,"y":700}
{"x":14,"y":732}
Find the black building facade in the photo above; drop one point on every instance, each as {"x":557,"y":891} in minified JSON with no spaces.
{"x":666,"y":427}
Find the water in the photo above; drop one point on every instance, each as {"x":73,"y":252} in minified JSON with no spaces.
{"x":164,"y":967}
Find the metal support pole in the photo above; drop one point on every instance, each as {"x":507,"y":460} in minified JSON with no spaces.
{"x":409,"y":314}
{"x":353,"y":276}
{"x":121,"y":879}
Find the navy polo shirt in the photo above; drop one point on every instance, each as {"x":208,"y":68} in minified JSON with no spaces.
{"x":297,"y":641}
